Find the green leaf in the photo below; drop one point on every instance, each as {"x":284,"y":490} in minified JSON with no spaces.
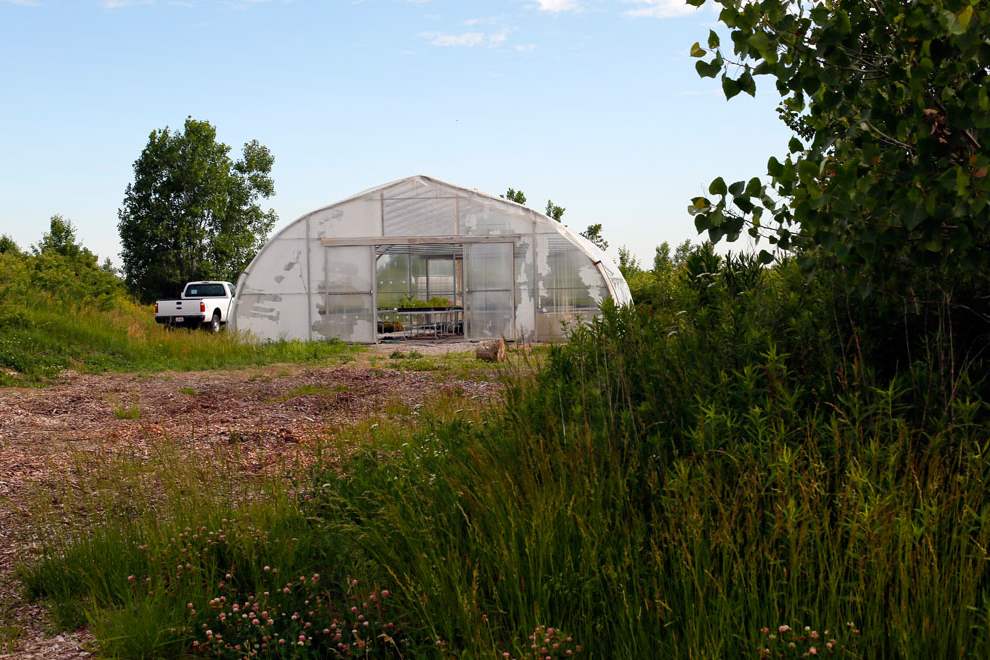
{"x":962,"y":181}
{"x":765,"y":257}
{"x":730,"y":87}
{"x":737,"y":187}
{"x":744,"y":204}
{"x":952,"y":23}
{"x":964,"y":17}
{"x":774,"y":167}
{"x":915,"y":218}
{"x":707,"y":69}
{"x":713,"y":41}
{"x":761,"y":43}
{"x":697,"y":50}
{"x":747,"y":84}
{"x":807,"y":169}
{"x":754,"y":187}
{"x":717,"y":187}
{"x":795,"y":145}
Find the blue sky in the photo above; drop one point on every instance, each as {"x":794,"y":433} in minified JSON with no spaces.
{"x":593,"y":103}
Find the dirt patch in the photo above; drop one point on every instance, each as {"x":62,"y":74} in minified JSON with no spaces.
{"x":271,"y":414}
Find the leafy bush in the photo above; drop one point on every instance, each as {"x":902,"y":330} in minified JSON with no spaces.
{"x":60,"y":309}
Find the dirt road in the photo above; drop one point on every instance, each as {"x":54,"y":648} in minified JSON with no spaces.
{"x":270,"y":413}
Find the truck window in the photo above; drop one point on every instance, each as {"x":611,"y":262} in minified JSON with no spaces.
{"x":204,"y":291}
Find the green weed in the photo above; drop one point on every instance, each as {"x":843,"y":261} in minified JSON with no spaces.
{"x":453,"y":365}
{"x":127,"y":412}
{"x":312,"y":390}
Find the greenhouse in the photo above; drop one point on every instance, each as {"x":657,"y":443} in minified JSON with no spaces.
{"x":423,"y":259}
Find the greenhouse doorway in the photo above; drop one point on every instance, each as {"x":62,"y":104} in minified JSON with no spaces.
{"x":444,"y":291}
{"x":419,"y":292}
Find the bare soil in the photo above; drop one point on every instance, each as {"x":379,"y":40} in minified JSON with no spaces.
{"x":271,"y":414}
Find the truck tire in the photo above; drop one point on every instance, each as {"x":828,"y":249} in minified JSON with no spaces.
{"x":215,"y":325}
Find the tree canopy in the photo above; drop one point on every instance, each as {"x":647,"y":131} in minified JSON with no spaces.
{"x":59,"y":239}
{"x":513,"y":195}
{"x":594,"y":234}
{"x":192,"y":212}
{"x":8,"y":245}
{"x":58,"y":268}
{"x":554,"y":211}
{"x":890,"y":108}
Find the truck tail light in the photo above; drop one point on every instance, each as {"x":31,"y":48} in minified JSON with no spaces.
{"x":156,"y":308}
{"x":202,"y":307}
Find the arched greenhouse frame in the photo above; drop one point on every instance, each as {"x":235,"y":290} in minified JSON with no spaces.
{"x":420,"y":258}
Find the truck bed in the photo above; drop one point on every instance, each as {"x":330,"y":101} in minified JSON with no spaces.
{"x":180,"y":312}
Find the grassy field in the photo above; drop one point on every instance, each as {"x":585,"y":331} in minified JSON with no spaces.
{"x":743,"y":466}
{"x":37,"y":341}
{"x":719,"y":482}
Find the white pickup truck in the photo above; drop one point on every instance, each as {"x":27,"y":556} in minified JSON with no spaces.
{"x":203,"y":304}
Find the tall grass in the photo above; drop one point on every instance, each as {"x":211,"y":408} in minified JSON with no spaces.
{"x":684,"y":483}
{"x":40,"y":339}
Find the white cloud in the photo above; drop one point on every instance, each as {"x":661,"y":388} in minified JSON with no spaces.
{"x":498,"y":38}
{"x":558,"y":6}
{"x":661,"y":8}
{"x":467,"y":39}
{"x":120,"y":4}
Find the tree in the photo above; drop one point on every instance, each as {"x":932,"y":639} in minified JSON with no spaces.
{"x":554,"y":211}
{"x":662,"y":263}
{"x":59,"y":239}
{"x":890,"y":104}
{"x":517,"y":196}
{"x":192,"y":213}
{"x":594,"y":234}
{"x":60,"y":268}
{"x":682,"y":252}
{"x":628,"y":263}
{"x":8,"y":246}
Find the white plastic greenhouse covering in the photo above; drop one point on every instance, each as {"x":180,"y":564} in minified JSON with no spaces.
{"x":525,"y":276}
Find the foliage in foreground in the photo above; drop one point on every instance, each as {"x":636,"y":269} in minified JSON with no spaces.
{"x":701,"y":481}
{"x":888,"y":101}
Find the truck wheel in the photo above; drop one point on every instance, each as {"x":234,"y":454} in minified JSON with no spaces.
{"x":215,"y":322}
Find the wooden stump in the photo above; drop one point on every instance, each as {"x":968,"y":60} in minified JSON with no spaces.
{"x":491,"y":351}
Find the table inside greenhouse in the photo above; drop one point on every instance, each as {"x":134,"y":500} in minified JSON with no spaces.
{"x":408,"y":322}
